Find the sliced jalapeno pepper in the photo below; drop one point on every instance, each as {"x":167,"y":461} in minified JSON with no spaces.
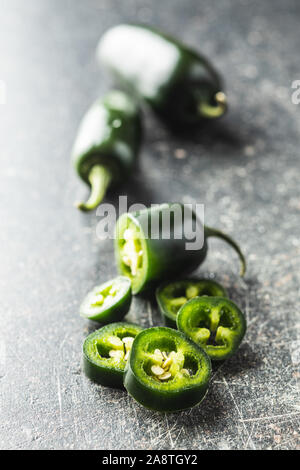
{"x":179,"y":84}
{"x":108,"y":302}
{"x":166,"y":371}
{"x":172,"y":296}
{"x":146,"y":258}
{"x":107,"y":144}
{"x":106,"y":352}
{"x":214,"y":323}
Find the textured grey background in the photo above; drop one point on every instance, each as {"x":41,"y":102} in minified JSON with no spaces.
{"x":245,"y":168}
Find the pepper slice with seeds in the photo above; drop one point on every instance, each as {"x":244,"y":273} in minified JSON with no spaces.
{"x":166,"y":371}
{"x":214,"y":323}
{"x":106,"y":352}
{"x":171,"y":296}
{"x":108,"y":302}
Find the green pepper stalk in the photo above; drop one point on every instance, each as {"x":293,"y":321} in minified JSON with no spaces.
{"x":147,"y":260}
{"x":171,"y":296}
{"x":177,"y":82}
{"x":99,"y":179}
{"x":212,"y":232}
{"x":166,"y":371}
{"x":106,"y":352}
{"x":107,"y":145}
{"x":214,"y":111}
{"x":214,"y":323}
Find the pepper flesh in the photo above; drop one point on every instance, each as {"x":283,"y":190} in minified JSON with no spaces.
{"x":104,"y":353}
{"x":172,"y":296}
{"x":214,"y":323}
{"x":108,"y":302}
{"x":186,"y":367}
{"x":107,"y":144}
{"x":180,"y":84}
{"x":164,"y":254}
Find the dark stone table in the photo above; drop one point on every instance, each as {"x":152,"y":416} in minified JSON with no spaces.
{"x":244,"y":168}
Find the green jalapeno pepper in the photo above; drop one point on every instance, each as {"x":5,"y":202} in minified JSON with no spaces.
{"x":172,"y":296}
{"x":106,"y":352}
{"x":148,"y":258}
{"x":166,"y":371}
{"x":214,"y":323}
{"x":179,"y":84}
{"x":107,"y":145}
{"x":108,"y":302}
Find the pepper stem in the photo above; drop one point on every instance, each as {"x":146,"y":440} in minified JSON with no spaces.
{"x":212,"y":232}
{"x":99,"y":179}
{"x":209,"y":111}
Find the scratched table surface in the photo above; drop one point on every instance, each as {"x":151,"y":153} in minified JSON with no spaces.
{"x":244,"y":168}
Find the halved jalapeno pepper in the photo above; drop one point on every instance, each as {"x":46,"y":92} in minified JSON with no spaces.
{"x":148,"y":250}
{"x":166,"y":371}
{"x":172,"y":296}
{"x":106,"y":352}
{"x":214,"y":323}
{"x":108,"y":302}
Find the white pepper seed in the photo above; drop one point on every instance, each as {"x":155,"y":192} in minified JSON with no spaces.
{"x":167,"y":363}
{"x":158,"y":353}
{"x":115,"y":341}
{"x":128,"y":340}
{"x":156,"y":370}
{"x":116,"y":354}
{"x":98,"y":300}
{"x":165,"y":376}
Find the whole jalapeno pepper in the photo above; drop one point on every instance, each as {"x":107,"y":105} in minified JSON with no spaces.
{"x":179,"y":84}
{"x":106,"y":352}
{"x":171,"y":296}
{"x":166,"y":371}
{"x":108,"y":302}
{"x":214,"y":323}
{"x":148,"y":258}
{"x":107,"y":145}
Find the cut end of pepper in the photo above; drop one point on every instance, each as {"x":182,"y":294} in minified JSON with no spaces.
{"x":173,"y":295}
{"x":214,"y":323}
{"x":107,"y":302}
{"x":99,"y":178}
{"x":106,"y":352}
{"x":166,"y":371}
{"x":214,"y":111}
{"x":131,"y":252}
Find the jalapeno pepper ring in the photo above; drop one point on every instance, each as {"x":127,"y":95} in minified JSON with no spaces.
{"x":214,"y":323}
{"x":171,"y":296}
{"x":106,"y":352}
{"x":108,"y":302}
{"x":166,"y":371}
